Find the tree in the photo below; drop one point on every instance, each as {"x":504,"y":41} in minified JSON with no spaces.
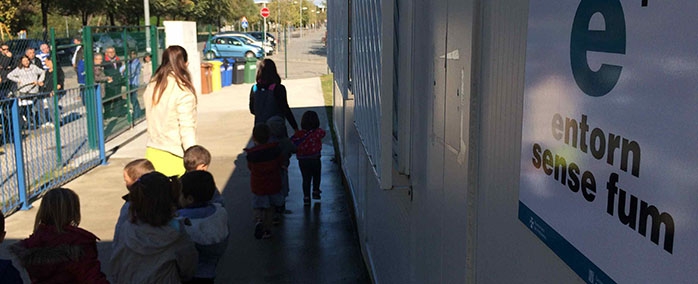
{"x":8,"y":12}
{"x":45,"y":4}
{"x":213,"y":11}
{"x":130,"y":12}
{"x":84,"y":9}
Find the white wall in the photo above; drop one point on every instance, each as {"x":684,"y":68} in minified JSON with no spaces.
{"x":506,"y":250}
{"x":184,"y":34}
{"x":458,"y":223}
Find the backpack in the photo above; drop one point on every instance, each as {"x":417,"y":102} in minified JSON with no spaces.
{"x":265,"y":104}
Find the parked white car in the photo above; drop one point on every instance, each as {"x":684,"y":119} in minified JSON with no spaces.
{"x":268,"y":48}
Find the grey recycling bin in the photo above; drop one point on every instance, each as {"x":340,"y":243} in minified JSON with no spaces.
{"x":238,"y":70}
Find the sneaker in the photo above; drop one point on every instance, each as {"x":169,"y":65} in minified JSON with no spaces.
{"x":316,"y":194}
{"x":258,"y":230}
{"x":306,"y":201}
{"x":276,"y":221}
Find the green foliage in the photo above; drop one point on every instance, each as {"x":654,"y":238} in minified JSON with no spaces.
{"x":27,"y":14}
{"x":8,"y":12}
{"x":84,"y":9}
{"x":288,"y":12}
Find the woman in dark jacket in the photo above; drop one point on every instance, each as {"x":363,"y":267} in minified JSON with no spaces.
{"x":46,"y":108}
{"x":59,"y":251}
{"x":268,"y":96}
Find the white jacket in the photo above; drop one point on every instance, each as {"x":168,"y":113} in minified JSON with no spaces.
{"x":25,"y":76}
{"x":172,"y":122}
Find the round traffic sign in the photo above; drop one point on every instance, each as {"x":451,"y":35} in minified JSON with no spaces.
{"x":264,"y":12}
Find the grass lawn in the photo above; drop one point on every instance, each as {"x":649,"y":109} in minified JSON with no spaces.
{"x":326,"y":82}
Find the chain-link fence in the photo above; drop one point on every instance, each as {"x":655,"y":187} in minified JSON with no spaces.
{"x":58,"y":108}
{"x":124,"y":65}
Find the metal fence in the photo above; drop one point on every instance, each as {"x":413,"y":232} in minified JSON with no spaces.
{"x":54,"y":132}
{"x":126,"y":67}
{"x":47,"y":140}
{"x":127,"y":61}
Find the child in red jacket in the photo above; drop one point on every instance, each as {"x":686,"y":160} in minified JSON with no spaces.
{"x":59,"y":251}
{"x":308,"y":143}
{"x":265,"y":162}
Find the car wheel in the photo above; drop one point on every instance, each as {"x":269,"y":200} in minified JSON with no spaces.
{"x":210,"y":55}
{"x":249,"y":54}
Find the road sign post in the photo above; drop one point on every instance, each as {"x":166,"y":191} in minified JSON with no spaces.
{"x":244,"y":24}
{"x":264,"y":12}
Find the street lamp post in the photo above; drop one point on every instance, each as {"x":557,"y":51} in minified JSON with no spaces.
{"x":300,"y":18}
{"x":146,"y":11}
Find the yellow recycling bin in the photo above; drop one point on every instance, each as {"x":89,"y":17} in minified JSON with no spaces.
{"x":216,"y":75}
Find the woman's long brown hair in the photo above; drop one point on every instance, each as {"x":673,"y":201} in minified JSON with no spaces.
{"x":174,"y":61}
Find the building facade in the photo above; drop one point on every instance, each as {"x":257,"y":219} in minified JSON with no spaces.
{"x":431,"y":101}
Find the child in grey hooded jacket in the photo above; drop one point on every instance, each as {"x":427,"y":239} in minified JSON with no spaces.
{"x":153,"y":246}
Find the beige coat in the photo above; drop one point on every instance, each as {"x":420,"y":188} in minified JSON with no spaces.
{"x":172,"y":122}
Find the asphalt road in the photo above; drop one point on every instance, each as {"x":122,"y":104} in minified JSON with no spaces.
{"x":305,"y":57}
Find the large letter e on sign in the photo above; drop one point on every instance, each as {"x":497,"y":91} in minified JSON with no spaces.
{"x":611,"y":40}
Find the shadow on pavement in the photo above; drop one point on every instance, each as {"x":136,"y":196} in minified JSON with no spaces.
{"x":313,"y":244}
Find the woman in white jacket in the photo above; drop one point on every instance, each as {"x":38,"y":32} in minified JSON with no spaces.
{"x":170,"y":110}
{"x":29,"y":78}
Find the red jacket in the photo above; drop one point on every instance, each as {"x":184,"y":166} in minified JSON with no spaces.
{"x":308,"y":143}
{"x":265,"y":162}
{"x":52,"y":257}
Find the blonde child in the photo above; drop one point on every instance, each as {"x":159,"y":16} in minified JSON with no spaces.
{"x":132,"y":171}
{"x":135,"y":169}
{"x":277,"y":127}
{"x":59,"y":251}
{"x":197,"y":158}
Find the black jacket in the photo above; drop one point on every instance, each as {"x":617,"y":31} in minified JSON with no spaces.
{"x":48,"y":80}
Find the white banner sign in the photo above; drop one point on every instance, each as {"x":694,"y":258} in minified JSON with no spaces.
{"x":609,"y":154}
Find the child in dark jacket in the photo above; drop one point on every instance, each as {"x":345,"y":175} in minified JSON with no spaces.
{"x":265,"y":162}
{"x":308,"y":143}
{"x":209,"y":222}
{"x":8,"y":273}
{"x":59,"y":251}
{"x":277,"y":127}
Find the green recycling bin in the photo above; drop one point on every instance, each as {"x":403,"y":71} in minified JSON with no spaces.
{"x":250,"y":70}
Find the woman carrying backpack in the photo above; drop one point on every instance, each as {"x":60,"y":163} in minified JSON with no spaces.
{"x":268,"y":96}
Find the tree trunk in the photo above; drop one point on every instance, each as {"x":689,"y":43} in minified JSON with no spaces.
{"x":44,"y":18}
{"x":85,"y":18}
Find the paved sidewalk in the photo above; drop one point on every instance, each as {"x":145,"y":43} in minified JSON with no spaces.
{"x":316,"y":244}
